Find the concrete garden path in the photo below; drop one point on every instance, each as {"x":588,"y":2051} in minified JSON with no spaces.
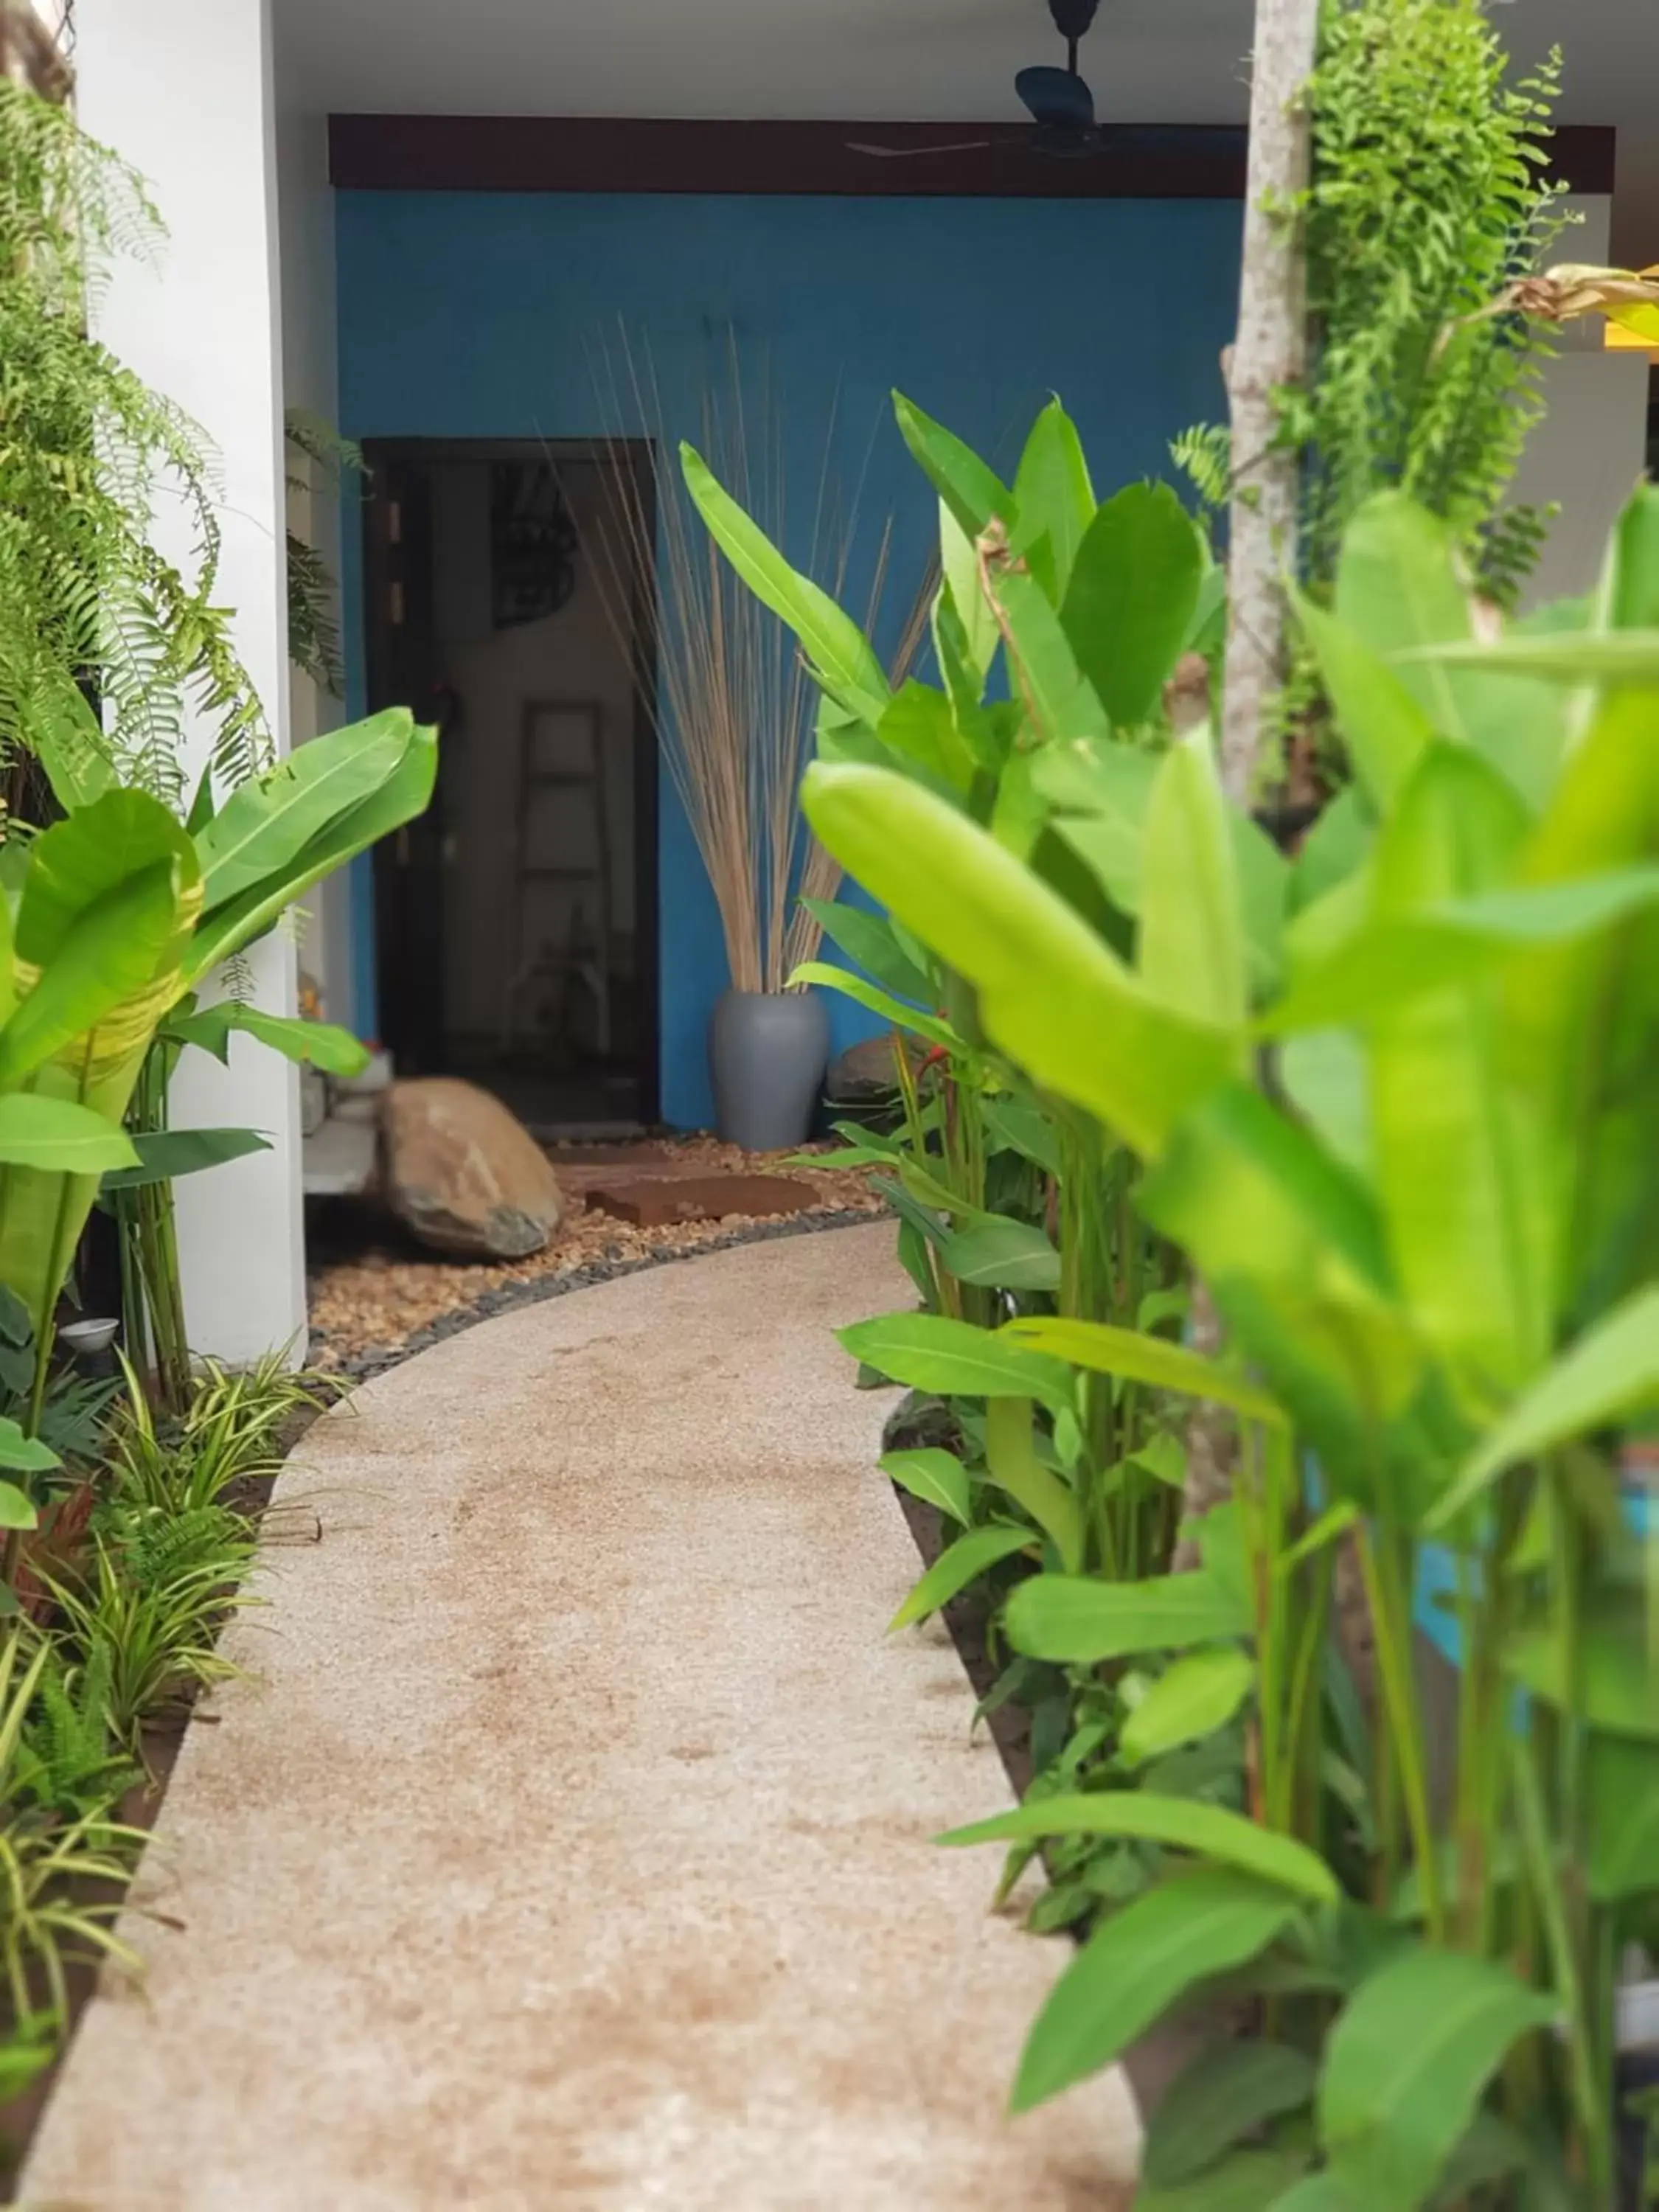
{"x":571,"y":1849}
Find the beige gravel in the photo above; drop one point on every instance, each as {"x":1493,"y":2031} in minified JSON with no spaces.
{"x":374,"y":1302}
{"x":575,"y":1850}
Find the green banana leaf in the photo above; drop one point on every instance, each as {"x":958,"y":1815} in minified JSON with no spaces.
{"x":262,"y":826}
{"x":166,"y":1154}
{"x":843,"y":661}
{"x":1055,"y":499}
{"x":238,"y":920}
{"x":1051,"y":994}
{"x":1133,"y":588}
{"x":320,"y":1044}
{"x":109,"y":900}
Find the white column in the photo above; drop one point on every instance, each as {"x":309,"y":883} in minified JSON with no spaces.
{"x":182,"y":88}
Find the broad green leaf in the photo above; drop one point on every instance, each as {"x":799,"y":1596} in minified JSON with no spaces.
{"x":1248,"y":1193}
{"x":59,"y":1137}
{"x":1196,"y":1695}
{"x":1054,"y":496}
{"x":976,"y":636}
{"x":1323,"y":1073}
{"x":1136,"y":1357}
{"x":1405,"y":2065}
{"x":1248,"y":2181}
{"x":322,"y":1044}
{"x":1191,"y":946}
{"x":1079,"y":1621}
{"x":403,"y":796}
{"x":77,"y":863}
{"x":1611,"y":1372}
{"x":1009,"y":1255}
{"x":1025,"y":1129}
{"x":25,"y":1454}
{"x":974,"y":493}
{"x":987,"y":731}
{"x":1630,"y":656}
{"x":929,"y":1191}
{"x":1100,"y":793}
{"x":842,"y":658}
{"x":1133,"y":592}
{"x":1135,"y":1967}
{"x":108,"y":955}
{"x":1224,"y":2095}
{"x":1401,"y":592}
{"x":892,"y":1010}
{"x":1059,"y":699}
{"x":202,"y":807}
{"x":929,"y":1351}
{"x":1389,"y":962}
{"x":1397,"y":591}
{"x":1015,"y":1469}
{"x":867,"y":939}
{"x":1623,"y":1820}
{"x":937,"y":1477}
{"x":1051,"y":994}
{"x":263,"y":824}
{"x":917,"y":724}
{"x":166,"y":1154}
{"x":1333,"y":850}
{"x":16,"y":1510}
{"x":1457,"y":1163}
{"x":67,"y":738}
{"x":1612,"y":1685}
{"x":1385,"y":728}
{"x":958,"y":1565}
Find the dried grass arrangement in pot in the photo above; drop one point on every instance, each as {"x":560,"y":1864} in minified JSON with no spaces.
{"x":734,"y":705}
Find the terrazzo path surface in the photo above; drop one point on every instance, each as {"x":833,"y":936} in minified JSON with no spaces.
{"x":571,"y":1845}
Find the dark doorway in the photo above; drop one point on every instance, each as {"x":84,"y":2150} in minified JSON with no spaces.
{"x":517,"y":922}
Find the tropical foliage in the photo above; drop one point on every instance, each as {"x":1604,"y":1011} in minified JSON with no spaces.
{"x":1387,"y":1097}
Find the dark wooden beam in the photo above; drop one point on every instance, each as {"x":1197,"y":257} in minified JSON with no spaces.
{"x":587,"y":153}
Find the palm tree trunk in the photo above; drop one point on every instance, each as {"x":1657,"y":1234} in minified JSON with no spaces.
{"x":1269,"y":352}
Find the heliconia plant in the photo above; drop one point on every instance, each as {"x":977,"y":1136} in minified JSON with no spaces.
{"x":1006,"y":1202}
{"x":239,"y":869}
{"x":1395,"y":1100}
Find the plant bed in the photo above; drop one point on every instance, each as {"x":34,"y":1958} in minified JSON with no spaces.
{"x":133,"y":1815}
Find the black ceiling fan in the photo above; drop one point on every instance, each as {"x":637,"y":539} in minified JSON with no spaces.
{"x":1062,"y":106}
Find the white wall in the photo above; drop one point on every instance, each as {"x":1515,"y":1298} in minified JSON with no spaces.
{"x":183,"y":89}
{"x":1588,"y":453}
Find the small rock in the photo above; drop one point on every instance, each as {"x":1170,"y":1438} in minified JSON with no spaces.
{"x":463,"y":1176}
{"x":866,"y":1074}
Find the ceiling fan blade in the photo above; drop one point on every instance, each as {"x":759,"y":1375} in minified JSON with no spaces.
{"x":1057,"y":97}
{"x":911,"y":153}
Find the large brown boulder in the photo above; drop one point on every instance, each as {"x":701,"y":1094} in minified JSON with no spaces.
{"x":464,"y":1175}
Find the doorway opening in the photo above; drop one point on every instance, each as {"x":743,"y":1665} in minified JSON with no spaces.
{"x":516,"y":923}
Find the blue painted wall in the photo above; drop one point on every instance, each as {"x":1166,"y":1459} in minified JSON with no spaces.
{"x":478,"y":315}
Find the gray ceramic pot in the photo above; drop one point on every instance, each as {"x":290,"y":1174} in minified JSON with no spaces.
{"x":766,"y":1053}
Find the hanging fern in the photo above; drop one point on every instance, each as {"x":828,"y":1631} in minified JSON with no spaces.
{"x":1428,"y":195}
{"x":87,"y":452}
